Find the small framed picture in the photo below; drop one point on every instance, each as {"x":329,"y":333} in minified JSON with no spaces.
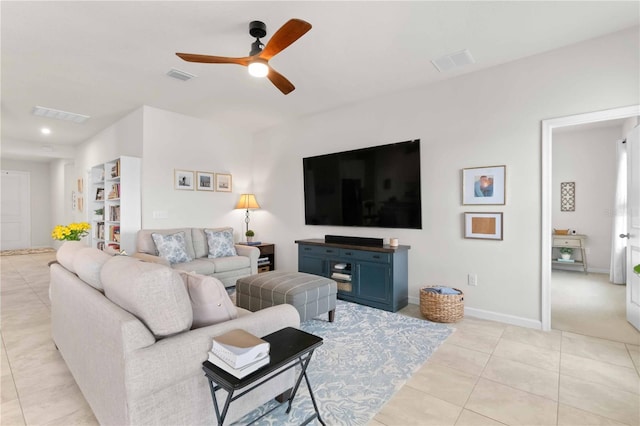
{"x":204,"y":181}
{"x":183,"y":179}
{"x":99,"y":194}
{"x":223,"y":182}
{"x":483,"y":226}
{"x":483,"y":185}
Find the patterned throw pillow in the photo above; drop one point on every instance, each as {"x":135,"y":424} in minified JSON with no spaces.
{"x":220,"y":243}
{"x":172,"y":247}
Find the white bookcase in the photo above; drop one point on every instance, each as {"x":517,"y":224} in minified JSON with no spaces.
{"x":114,"y":206}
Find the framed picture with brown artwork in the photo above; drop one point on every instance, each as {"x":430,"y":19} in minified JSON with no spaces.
{"x":483,"y":226}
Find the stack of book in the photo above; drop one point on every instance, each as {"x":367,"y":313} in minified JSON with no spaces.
{"x":239,"y":352}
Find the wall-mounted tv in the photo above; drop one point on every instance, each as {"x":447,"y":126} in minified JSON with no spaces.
{"x":370,"y":187}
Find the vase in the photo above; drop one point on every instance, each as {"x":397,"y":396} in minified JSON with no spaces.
{"x":565,"y":256}
{"x":249,"y":239}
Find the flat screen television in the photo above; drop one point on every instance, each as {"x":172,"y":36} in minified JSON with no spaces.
{"x":370,"y":187}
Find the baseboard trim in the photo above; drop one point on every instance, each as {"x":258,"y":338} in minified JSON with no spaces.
{"x":493,"y":316}
{"x":598,"y":270}
{"x":504,"y":318}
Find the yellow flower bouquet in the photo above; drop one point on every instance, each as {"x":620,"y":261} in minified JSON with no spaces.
{"x":71,"y":232}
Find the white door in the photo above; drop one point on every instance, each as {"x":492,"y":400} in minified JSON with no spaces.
{"x":15,"y":210}
{"x":633,"y":226}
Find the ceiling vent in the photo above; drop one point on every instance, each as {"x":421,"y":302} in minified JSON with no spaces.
{"x":453,"y":61}
{"x":180,"y":75}
{"x":59,"y":115}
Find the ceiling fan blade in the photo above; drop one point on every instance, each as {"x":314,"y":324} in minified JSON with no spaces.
{"x":207,"y":59}
{"x":280,"y":81}
{"x":287,"y":34}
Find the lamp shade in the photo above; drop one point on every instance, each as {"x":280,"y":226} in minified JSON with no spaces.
{"x":247,"y":201}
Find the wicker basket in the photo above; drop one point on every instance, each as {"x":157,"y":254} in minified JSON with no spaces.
{"x":441,"y":307}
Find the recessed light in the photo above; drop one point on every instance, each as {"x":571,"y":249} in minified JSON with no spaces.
{"x":45,"y":131}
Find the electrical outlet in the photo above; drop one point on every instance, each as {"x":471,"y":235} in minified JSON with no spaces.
{"x":472,"y":279}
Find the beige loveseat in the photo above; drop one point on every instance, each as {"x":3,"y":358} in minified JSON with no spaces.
{"x":142,"y":365}
{"x":226,"y":269}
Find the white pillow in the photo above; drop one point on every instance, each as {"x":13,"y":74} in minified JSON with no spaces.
{"x":220,"y":243}
{"x":172,"y":247}
{"x":210,"y":301}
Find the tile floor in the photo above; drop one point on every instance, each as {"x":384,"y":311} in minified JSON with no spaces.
{"x":484,"y":374}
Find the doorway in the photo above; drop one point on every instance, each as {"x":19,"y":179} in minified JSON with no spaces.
{"x":548,"y":126}
{"x":16,"y":213}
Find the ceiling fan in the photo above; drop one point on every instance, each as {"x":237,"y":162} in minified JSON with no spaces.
{"x":258,"y":60}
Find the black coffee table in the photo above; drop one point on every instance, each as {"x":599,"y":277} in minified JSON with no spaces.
{"x":289,"y":347}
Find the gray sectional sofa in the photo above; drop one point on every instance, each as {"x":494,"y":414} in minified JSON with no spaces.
{"x":124,"y":329}
{"x":227,"y":269}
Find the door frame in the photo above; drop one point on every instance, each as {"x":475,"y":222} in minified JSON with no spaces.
{"x":546,"y":209}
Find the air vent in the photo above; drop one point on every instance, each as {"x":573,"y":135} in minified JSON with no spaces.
{"x":59,"y":115}
{"x":180,"y":75}
{"x":453,"y":61}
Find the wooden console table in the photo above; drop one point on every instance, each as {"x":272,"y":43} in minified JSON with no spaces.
{"x":577,"y":243}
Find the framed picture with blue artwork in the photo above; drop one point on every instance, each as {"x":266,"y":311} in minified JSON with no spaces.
{"x":483,"y":185}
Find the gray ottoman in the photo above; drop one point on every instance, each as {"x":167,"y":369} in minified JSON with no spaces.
{"x":311,"y":295}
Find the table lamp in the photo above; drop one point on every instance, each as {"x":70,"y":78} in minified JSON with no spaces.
{"x":247,"y":201}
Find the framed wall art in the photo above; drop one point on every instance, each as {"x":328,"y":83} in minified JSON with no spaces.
{"x":483,"y":226}
{"x":483,"y":185}
{"x":183,"y":179}
{"x":223,"y":182}
{"x":567,"y":196}
{"x":204,"y":181}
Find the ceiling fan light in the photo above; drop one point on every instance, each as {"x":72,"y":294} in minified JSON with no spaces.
{"x":258,"y":68}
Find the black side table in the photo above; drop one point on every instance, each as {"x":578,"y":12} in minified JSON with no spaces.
{"x":288,"y":345}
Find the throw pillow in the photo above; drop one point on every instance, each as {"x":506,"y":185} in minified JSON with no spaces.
{"x":210,"y":301}
{"x":172,"y":247}
{"x":220,"y":243}
{"x":154,"y":293}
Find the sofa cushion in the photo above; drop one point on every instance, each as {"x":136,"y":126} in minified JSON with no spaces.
{"x":230,"y":263}
{"x":220,"y":243}
{"x":199,"y":266}
{"x":67,"y":252}
{"x":88,"y":264}
{"x":210,"y":301}
{"x":154,"y":293}
{"x":200,"y":243}
{"x":172,"y":247}
{"x":145,"y":244}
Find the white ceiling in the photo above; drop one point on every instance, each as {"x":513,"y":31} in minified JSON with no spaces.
{"x":105,"y":59}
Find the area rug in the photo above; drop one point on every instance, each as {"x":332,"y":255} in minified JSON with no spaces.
{"x":26,"y":251}
{"x":367,"y":355}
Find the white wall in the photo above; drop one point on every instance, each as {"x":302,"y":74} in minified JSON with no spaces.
{"x":40,"y":198}
{"x":486,"y":118}
{"x":173,"y":141}
{"x":122,"y":138}
{"x":588,"y":158}
{"x":58,"y":189}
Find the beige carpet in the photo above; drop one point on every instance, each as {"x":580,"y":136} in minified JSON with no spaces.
{"x":589,"y":304}
{"x":26,"y":251}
